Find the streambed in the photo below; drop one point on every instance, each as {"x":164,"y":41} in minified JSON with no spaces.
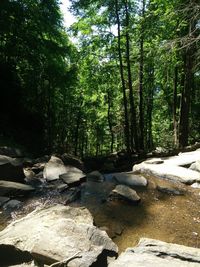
{"x":159,"y":215}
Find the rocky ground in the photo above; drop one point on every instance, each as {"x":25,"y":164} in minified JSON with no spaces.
{"x":52,"y":233}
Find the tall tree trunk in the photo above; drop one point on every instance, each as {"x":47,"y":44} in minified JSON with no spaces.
{"x":141,"y":77}
{"x":149,"y":138}
{"x":185,"y":100}
{"x":134,"y":135}
{"x":175,"y":107}
{"x":110,"y":121}
{"x":126,"y":120}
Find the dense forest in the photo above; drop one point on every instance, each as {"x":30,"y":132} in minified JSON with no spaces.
{"x":124,"y":76}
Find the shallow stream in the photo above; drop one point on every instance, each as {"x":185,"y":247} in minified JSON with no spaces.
{"x":161,"y":216}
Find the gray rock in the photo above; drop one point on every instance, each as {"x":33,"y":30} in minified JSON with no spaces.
{"x":126,"y":193}
{"x":73,"y":176}
{"x":150,"y":253}
{"x":195,"y":185}
{"x":12,"y":188}
{"x":72,"y":195}
{"x":170,"y":189}
{"x":11,"y":152}
{"x":3,"y":200}
{"x":154,"y":161}
{"x":53,"y":169}
{"x":58,"y":233}
{"x":12,"y":205}
{"x":130,"y":179}
{"x":183,"y":159}
{"x":168,"y":172}
{"x":72,"y":161}
{"x":11,"y":169}
{"x":195,"y":166}
{"x":95,"y":176}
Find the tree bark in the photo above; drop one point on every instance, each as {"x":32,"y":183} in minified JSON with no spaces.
{"x":175,"y":107}
{"x":141,"y":77}
{"x":133,"y":123}
{"x":125,"y":103}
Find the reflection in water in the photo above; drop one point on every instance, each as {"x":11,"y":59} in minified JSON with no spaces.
{"x":166,"y":217}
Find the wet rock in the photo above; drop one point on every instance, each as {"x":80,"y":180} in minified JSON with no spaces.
{"x":3,"y":200}
{"x":72,"y":195}
{"x":73,"y":176}
{"x":53,"y":168}
{"x":169,"y":187}
{"x":11,"y":169}
{"x":130,"y":179}
{"x":95,"y":176}
{"x":126,"y":193}
{"x":150,"y":253}
{"x":195,"y":166}
{"x":12,"y":205}
{"x":170,"y":190}
{"x":12,"y":188}
{"x":57,"y":185}
{"x":168,"y":172}
{"x":56,"y":234}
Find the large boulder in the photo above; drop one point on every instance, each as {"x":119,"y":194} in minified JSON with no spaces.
{"x":130,"y":179}
{"x":11,"y":169}
{"x":183,"y":159}
{"x":150,"y":253}
{"x":53,"y":169}
{"x":12,"y":188}
{"x":54,"y":234}
{"x":126,"y":193}
{"x":169,"y":172}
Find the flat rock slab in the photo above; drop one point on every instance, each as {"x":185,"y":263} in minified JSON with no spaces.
{"x":56,"y":233}
{"x":73,"y":176}
{"x":183,"y":159}
{"x":151,"y":253}
{"x":130,"y":179}
{"x":169,"y":172}
{"x":8,"y":188}
{"x":126,"y":193}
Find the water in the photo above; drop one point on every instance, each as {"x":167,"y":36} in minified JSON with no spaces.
{"x":161,"y":216}
{"x":165,"y":217}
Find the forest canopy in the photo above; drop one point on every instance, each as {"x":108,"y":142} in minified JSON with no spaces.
{"x":131,"y":79}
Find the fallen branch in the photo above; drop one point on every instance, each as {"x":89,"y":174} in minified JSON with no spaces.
{"x":66,"y":261}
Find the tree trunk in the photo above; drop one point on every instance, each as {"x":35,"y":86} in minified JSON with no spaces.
{"x":175,"y":107}
{"x":134,"y":135}
{"x":141,"y":76}
{"x":126,"y":120}
{"x":185,"y":100}
{"x":110,"y":121}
